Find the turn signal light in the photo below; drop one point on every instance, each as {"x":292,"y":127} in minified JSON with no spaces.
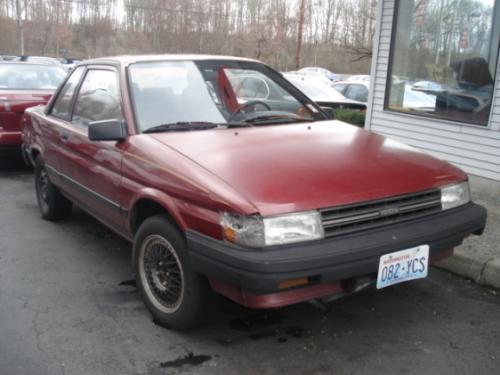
{"x":290,"y":283}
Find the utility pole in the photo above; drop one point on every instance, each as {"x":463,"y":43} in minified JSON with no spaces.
{"x":20,"y":26}
{"x":58,"y":29}
{"x":301,"y":30}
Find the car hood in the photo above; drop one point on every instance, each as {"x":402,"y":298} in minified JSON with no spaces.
{"x":299,"y":167}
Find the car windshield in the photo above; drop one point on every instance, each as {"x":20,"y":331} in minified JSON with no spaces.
{"x":30,"y":77}
{"x":186,"y":92}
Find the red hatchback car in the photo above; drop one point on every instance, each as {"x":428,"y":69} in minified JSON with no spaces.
{"x":242,"y":186}
{"x":23,"y":85}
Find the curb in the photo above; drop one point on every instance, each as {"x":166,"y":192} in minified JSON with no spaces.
{"x":483,"y":272}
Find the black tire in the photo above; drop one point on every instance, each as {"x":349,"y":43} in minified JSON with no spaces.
{"x":175,"y":295}
{"x":53,"y":205}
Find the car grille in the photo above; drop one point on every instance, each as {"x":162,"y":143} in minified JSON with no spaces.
{"x":367,"y":215}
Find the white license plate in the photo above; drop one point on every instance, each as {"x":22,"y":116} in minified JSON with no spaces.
{"x":404,"y":265}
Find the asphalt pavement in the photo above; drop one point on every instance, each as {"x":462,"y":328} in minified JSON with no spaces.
{"x":68,"y":306}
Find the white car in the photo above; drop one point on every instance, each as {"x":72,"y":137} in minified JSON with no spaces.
{"x":359,"y":77}
{"x":322,"y":93}
{"x":412,"y":100}
{"x":322,"y":72}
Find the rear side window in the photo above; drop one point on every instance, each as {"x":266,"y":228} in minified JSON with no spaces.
{"x":357,"y":92}
{"x":98,"y":99}
{"x":62,"y":106}
{"x":340,"y":88}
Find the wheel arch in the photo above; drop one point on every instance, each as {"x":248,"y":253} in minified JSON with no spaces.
{"x":151,"y":203}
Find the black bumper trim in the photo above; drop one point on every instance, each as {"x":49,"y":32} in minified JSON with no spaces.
{"x":336,"y":258}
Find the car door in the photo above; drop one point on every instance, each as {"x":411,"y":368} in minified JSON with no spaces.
{"x":92,"y":170}
{"x":50,"y":127}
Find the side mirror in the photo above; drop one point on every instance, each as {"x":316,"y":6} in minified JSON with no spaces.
{"x":328,"y":111}
{"x":107,"y":130}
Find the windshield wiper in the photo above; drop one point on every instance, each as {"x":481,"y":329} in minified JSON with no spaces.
{"x":181,"y":126}
{"x":276,"y":119}
{"x":194,"y":125}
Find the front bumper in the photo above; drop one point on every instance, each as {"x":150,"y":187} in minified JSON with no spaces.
{"x":328,"y":261}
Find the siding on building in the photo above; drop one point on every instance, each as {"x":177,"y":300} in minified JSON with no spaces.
{"x":475,"y":149}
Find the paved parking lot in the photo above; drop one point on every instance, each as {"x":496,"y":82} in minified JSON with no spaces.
{"x":68,"y":306}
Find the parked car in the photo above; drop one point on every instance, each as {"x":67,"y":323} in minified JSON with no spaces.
{"x":69,"y":63}
{"x":23,"y":85}
{"x":9,"y":58}
{"x":354,"y":90}
{"x":412,"y":99}
{"x":359,"y":77}
{"x":324,"y":95}
{"x":45,"y":60}
{"x":316,"y":71}
{"x":266,"y":206}
{"x":427,"y":86}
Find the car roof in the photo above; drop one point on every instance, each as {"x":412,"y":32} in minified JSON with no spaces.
{"x":347,"y":82}
{"x":130,"y":59}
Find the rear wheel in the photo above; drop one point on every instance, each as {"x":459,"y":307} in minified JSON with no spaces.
{"x":174,"y":294}
{"x":53,"y":205}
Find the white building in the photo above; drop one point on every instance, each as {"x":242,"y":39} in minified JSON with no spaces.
{"x":436,"y":80}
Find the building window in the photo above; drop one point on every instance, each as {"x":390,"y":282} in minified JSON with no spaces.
{"x":443,"y":59}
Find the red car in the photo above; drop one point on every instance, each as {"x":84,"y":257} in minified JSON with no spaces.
{"x":23,"y":85}
{"x":263,"y":200}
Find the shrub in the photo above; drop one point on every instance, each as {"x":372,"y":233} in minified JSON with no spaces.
{"x":350,"y":116}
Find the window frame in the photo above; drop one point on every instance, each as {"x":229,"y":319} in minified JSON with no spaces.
{"x":444,"y":119}
{"x":50,"y":107}
{"x":80,"y":84}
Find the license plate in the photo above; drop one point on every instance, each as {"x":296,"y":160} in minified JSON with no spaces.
{"x":404,"y":265}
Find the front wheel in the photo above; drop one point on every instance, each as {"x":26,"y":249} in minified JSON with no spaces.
{"x":53,"y":205}
{"x":174,"y":294}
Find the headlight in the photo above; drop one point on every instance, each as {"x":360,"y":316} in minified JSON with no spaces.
{"x":257,"y":231}
{"x":455,"y":195}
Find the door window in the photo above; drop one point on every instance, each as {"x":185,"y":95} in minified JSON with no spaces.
{"x":341,"y":87}
{"x":98,"y":99}
{"x":62,"y":106}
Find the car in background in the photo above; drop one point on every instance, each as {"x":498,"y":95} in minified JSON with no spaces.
{"x":69,"y":63}
{"x":23,"y":85}
{"x":427,"y":86}
{"x":9,"y":58}
{"x":359,"y":77}
{"x":354,"y":90}
{"x":323,"y":94}
{"x":41,"y":60}
{"x":412,"y":99}
{"x":333,"y":77}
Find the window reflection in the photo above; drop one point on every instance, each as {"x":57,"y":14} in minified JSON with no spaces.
{"x":444,"y":58}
